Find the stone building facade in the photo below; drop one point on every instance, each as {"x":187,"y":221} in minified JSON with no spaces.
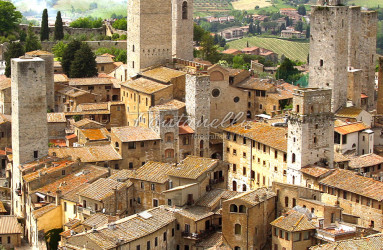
{"x":310,"y":132}
{"x":182,"y":30}
{"x":29,"y":109}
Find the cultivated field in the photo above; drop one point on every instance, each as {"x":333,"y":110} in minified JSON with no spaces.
{"x":250,"y":4}
{"x":292,"y":50}
{"x":365,"y":3}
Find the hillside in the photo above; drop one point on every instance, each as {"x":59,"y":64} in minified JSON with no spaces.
{"x":292,"y":50}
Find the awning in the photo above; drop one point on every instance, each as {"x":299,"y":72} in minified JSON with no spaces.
{"x":42,"y":196}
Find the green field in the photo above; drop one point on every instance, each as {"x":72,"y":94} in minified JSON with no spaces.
{"x":364,"y":3}
{"x":292,"y":50}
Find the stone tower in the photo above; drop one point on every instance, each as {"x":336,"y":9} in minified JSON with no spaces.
{"x":49,"y":75}
{"x":329,"y":50}
{"x":29,"y":119}
{"x":379,"y":109}
{"x":310,"y":132}
{"x":150,"y":34}
{"x":182,"y":14}
{"x":197,"y":100}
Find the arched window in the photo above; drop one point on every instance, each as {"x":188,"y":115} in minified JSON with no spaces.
{"x":244,"y":187}
{"x":237,"y":248}
{"x":169,"y":137}
{"x":293,"y":158}
{"x":233,"y":208}
{"x":185,"y":10}
{"x":237,"y":229}
{"x":242,"y":209}
{"x":169,"y":153}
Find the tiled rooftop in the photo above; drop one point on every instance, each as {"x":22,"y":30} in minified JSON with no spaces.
{"x":131,"y":134}
{"x":193,"y":167}
{"x":88,"y":154}
{"x":60,"y":78}
{"x":212,"y":198}
{"x":56,"y":117}
{"x":56,"y":166}
{"x":153,"y":172}
{"x":254,"y":197}
{"x":349,"y":112}
{"x":274,"y":137}
{"x":5,"y":83}
{"x":256,"y":84}
{"x":211,"y":242}
{"x":72,"y":91}
{"x":96,"y":220}
{"x":2,"y":208}
{"x":104,"y":59}
{"x":351,"y":128}
{"x":92,"y":106}
{"x":170,"y":105}
{"x":195,"y":213}
{"x":315,"y":171}
{"x":97,"y":134}
{"x":73,"y":194}
{"x":293,"y":221}
{"x":353,"y":183}
{"x":365,"y":161}
{"x":84,"y":122}
{"x":9,"y":225}
{"x":162,"y":74}
{"x":144,"y":85}
{"x":101,"y":189}
{"x":42,"y":211}
{"x":372,"y":242}
{"x":91,"y":81}
{"x":38,"y":53}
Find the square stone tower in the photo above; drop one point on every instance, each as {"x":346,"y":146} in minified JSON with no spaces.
{"x":183,"y":28}
{"x":49,"y":75}
{"x":149,"y":39}
{"x":197,"y":100}
{"x":329,"y":51}
{"x":310,"y":132}
{"x":29,"y":119}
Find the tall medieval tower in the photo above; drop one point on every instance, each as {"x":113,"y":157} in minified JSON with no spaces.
{"x":29,"y":120}
{"x":329,"y":50}
{"x":182,"y":14}
{"x":197,"y":100}
{"x":149,"y":34}
{"x":310,"y":132}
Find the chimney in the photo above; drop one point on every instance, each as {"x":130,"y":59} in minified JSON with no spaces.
{"x":380,"y":88}
{"x":58,"y":197}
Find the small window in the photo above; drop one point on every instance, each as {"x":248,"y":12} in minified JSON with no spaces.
{"x":321,"y":63}
{"x":142,"y":185}
{"x":64,"y":206}
{"x":148,"y":245}
{"x":215,"y":92}
{"x":237,"y":229}
{"x":233,"y":208}
{"x":244,"y":170}
{"x":184,"y":10}
{"x":35,"y":154}
{"x":165,"y":236}
{"x":130,"y":165}
{"x":63,"y":172}
{"x":152,"y":187}
{"x":236,"y":99}
{"x":242,"y":209}
{"x":293,"y":158}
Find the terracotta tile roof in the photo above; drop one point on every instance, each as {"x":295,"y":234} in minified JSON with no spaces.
{"x":98,"y":134}
{"x":68,"y":183}
{"x":185,"y":129}
{"x":170,"y":105}
{"x":122,"y":175}
{"x":72,"y":136}
{"x":127,"y":229}
{"x":73,"y":194}
{"x":293,"y":221}
{"x":372,"y":242}
{"x":153,"y":172}
{"x":351,"y":128}
{"x":213,"y":197}
{"x":57,"y":142}
{"x":42,"y":211}
{"x":97,"y":220}
{"x":38,"y":53}
{"x":274,"y":137}
{"x":340,"y":157}
{"x":84,"y":122}
{"x":231,"y":51}
{"x":5,"y":118}
{"x":349,"y":112}
{"x":107,"y":54}
{"x":91,"y":81}
{"x":56,"y":117}
{"x":55,"y":167}
{"x":72,"y":92}
{"x":72,"y":223}
{"x":92,"y":106}
{"x":256,"y":84}
{"x":353,"y":183}
{"x":104,"y":59}
{"x":131,"y":134}
{"x":193,"y":167}
{"x":249,"y":49}
{"x":101,"y":189}
{"x":254,"y":197}
{"x":5,"y":83}
{"x":365,"y":161}
{"x":76,"y":230}
{"x":88,"y":154}
{"x":9,"y":225}
{"x":60,"y":78}
{"x":162,"y":74}
{"x":211,"y":242}
{"x":315,"y":171}
{"x":2,"y":208}
{"x":363,"y":96}
{"x":144,"y":85}
{"x":90,"y":112}
{"x":284,"y":91}
{"x":195,"y":213}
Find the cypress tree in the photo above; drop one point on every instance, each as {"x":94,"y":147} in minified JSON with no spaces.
{"x":15,"y":50}
{"x":59,"y":30}
{"x":32,"y":41}
{"x":68,"y":55}
{"x":44,"y":32}
{"x":84,"y":63}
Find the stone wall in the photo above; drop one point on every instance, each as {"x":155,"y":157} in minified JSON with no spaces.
{"x":182,"y":30}
{"x":47,"y":46}
{"x":67,"y":30}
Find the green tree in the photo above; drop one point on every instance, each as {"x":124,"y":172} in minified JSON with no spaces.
{"x":120,"y":24}
{"x":302,"y":10}
{"x":283,"y":27}
{"x":59,"y":29}
{"x":238,"y":62}
{"x":86,"y":22}
{"x":299,"y":26}
{"x":52,"y":237}
{"x":15,"y":50}
{"x":84,"y":63}
{"x":209,"y":49}
{"x":58,"y":50}
{"x":9,"y":18}
{"x":198,"y":33}
{"x":44,"y":31}
{"x":308,"y":31}
{"x":68,"y":55}
{"x":287,"y":72}
{"x":31,"y":42}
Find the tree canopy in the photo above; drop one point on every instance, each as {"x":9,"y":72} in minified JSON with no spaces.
{"x":84,"y":63}
{"x":31,"y":42}
{"x":209,"y":49}
{"x":9,"y":18}
{"x":120,"y":24}
{"x":15,"y":50}
{"x":44,"y":31}
{"x":59,"y":29}
{"x":86,"y":22}
{"x":68,"y":55}
{"x":302,"y":10}
{"x":287,"y":72}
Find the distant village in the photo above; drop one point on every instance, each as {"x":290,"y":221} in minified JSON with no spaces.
{"x":171,"y":151}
